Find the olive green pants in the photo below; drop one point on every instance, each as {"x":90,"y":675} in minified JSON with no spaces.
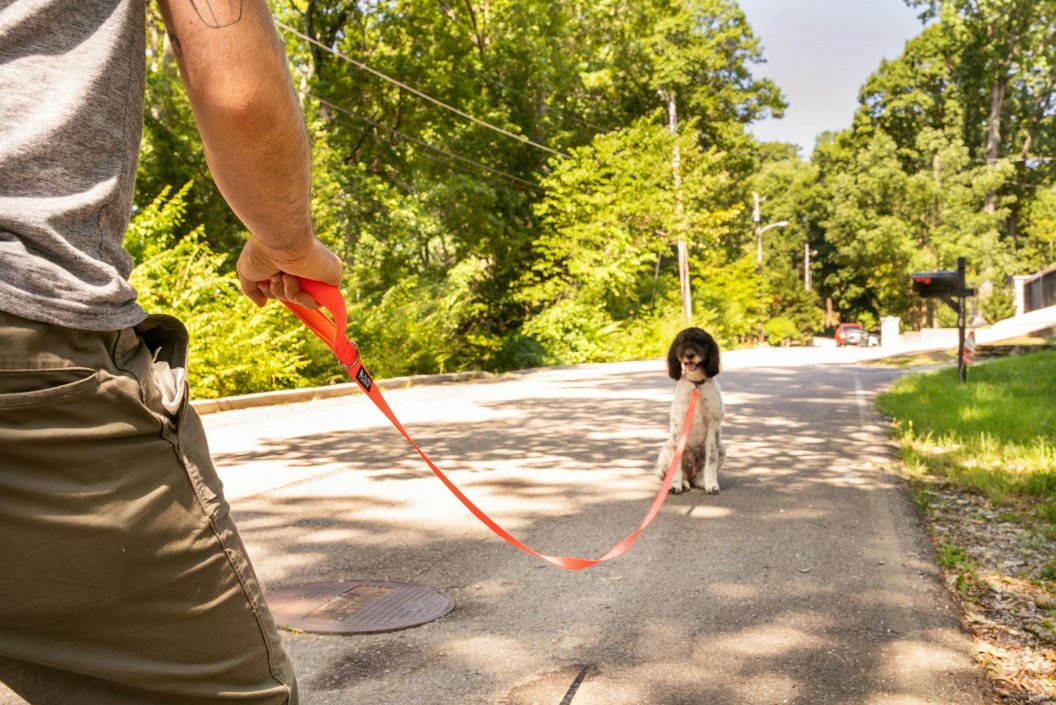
{"x":122,"y":576}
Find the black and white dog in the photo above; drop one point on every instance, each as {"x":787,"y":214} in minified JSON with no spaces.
{"x":693,"y":361}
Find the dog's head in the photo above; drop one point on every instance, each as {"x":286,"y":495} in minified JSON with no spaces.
{"x":693,"y":353}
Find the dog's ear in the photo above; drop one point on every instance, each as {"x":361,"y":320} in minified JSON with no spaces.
{"x":711,"y":357}
{"x":674,"y":365}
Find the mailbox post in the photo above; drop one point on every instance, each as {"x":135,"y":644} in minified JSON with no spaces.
{"x":948,"y":286}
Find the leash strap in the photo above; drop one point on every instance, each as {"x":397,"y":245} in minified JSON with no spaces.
{"x":332,"y":332}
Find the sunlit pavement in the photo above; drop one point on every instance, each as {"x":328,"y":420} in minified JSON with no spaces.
{"x":808,"y":580}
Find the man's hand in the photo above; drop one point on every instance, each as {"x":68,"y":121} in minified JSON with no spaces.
{"x":266,"y":273}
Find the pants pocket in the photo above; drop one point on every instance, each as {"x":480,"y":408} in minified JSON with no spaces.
{"x":164,"y":377}
{"x":33,"y":387}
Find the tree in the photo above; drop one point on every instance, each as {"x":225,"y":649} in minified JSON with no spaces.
{"x":439,"y":217}
{"x":873,"y":243}
{"x":931,"y":170}
{"x":914,"y":92}
{"x":608,"y":228}
{"x":1006,"y":72}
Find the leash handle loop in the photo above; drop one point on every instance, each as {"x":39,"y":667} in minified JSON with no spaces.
{"x":332,"y":331}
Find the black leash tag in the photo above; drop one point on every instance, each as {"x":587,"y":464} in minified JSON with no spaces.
{"x":363,"y":377}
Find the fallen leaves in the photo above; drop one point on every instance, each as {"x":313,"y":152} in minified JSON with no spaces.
{"x":1007,"y":604}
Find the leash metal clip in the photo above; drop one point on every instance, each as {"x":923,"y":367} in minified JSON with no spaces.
{"x":356,"y":360}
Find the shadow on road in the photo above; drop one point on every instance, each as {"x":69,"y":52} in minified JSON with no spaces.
{"x":808,"y":580}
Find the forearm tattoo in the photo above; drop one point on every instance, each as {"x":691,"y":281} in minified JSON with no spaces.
{"x":218,"y":13}
{"x":215,"y":14}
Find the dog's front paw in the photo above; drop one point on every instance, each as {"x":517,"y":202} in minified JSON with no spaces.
{"x":711,"y":487}
{"x":679,"y":485}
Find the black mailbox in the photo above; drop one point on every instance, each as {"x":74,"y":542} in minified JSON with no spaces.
{"x":948,"y":286}
{"x":940,"y":284}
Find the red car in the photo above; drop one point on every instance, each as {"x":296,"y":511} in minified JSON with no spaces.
{"x":851,"y":334}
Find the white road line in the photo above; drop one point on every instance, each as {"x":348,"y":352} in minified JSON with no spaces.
{"x":859,"y":394}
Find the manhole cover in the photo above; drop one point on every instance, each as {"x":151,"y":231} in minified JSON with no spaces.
{"x":357,"y":606}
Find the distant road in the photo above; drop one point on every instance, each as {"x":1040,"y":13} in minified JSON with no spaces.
{"x":807,"y":581}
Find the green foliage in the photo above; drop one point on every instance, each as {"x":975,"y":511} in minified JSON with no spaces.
{"x":465,"y":248}
{"x":158,"y":225}
{"x":955,"y":559}
{"x":994,"y":436}
{"x":939,"y":161}
{"x":609,"y":215}
{"x":999,"y":305}
{"x":951,"y":556}
{"x":1040,"y":251}
{"x":874,"y":244}
{"x":702,"y":49}
{"x":729,"y":302}
{"x":235,"y":346}
{"x":424,"y":325}
{"x":792,"y":193}
{"x":604,"y":266}
{"x":1049,"y":571}
{"x":572,"y":331}
{"x":781,"y":331}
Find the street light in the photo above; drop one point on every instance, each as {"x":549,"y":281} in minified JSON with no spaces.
{"x":759,"y":242}
{"x":759,"y":230}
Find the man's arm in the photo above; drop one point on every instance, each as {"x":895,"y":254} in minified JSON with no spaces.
{"x":234,"y":69}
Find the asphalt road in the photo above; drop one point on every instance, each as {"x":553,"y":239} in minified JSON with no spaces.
{"x":808,"y":580}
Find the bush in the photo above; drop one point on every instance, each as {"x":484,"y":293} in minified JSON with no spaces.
{"x":780,"y":331}
{"x":1001,"y":304}
{"x":236,"y":347}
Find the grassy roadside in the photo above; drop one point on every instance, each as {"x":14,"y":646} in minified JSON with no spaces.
{"x":981,"y":458}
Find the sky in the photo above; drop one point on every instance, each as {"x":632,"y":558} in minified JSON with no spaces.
{"x":819,"y":53}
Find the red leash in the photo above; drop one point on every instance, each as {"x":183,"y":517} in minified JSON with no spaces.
{"x":332,"y":332}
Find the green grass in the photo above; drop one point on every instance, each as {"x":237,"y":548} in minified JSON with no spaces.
{"x":995,"y":435}
{"x":955,"y":558}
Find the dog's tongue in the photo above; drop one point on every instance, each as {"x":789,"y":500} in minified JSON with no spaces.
{"x":691,"y":366}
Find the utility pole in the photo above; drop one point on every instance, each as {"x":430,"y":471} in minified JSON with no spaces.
{"x":757,"y":219}
{"x":683,"y":250}
{"x":808,"y":278}
{"x":760,"y":229}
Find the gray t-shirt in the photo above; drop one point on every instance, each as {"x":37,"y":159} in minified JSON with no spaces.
{"x":71,"y":115}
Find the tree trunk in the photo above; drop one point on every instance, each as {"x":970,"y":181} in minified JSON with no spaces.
{"x":993,"y":138}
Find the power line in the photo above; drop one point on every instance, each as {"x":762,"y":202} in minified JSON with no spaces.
{"x":427,"y":145}
{"x":1020,"y":160}
{"x":511,"y":89}
{"x":434,"y":157}
{"x":415,"y":140}
{"x":496,"y":82}
{"x":1023,"y":183}
{"x":420,"y":94}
